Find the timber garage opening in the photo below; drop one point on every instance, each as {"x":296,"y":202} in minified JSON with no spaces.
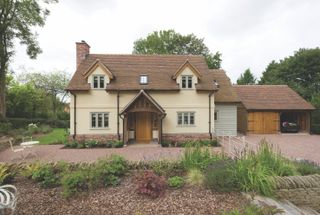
{"x":293,"y":122}
{"x":271,"y":109}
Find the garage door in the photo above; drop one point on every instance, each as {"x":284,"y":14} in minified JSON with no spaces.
{"x":263,"y":122}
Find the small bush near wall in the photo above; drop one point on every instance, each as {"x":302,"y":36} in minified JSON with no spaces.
{"x":179,"y":143}
{"x":81,"y":144}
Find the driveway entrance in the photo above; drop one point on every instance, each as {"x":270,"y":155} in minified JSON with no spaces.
{"x":294,"y":146}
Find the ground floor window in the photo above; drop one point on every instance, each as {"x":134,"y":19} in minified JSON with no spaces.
{"x":186,"y":118}
{"x":100,"y":120}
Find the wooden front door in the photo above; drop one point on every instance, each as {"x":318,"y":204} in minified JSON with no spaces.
{"x":143,"y":127}
{"x":263,"y":122}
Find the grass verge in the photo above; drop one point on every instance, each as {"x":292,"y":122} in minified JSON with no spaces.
{"x":57,"y":136}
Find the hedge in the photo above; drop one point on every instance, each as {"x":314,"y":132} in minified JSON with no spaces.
{"x":23,"y":122}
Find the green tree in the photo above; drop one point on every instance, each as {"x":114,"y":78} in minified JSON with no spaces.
{"x":27,"y":101}
{"x":171,"y":42}
{"x":300,"y":71}
{"x":52,"y":83}
{"x":246,"y":78}
{"x":17,"y":21}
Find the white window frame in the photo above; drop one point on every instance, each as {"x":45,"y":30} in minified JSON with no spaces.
{"x":103,"y":125}
{"x":143,"y":79}
{"x":187,"y":114}
{"x":187,"y":78}
{"x":99,"y":81}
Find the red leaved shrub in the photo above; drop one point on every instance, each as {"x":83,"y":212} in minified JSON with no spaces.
{"x":150,"y":184}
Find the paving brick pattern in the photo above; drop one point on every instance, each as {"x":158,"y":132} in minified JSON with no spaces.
{"x":294,"y":146}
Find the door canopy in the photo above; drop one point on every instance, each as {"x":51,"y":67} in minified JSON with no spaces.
{"x":143,"y":102}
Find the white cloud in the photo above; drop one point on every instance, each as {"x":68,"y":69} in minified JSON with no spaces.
{"x":248,"y":33}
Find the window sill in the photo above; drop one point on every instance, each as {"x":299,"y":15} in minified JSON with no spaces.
{"x":183,"y":126}
{"x":100,"y":128}
{"x":98,"y":88}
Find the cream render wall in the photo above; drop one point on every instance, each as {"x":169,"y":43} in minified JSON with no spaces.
{"x":185,"y":100}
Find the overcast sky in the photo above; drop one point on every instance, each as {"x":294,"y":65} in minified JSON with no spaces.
{"x":248,"y":33}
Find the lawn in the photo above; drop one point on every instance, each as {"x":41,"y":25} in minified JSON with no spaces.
{"x":57,"y":136}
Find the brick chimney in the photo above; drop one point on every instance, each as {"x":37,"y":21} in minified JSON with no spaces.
{"x":82,"y":50}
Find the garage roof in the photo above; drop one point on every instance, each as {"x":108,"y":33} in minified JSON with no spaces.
{"x":271,"y":97}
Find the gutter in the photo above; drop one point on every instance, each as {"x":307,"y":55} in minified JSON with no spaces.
{"x":160,"y":138}
{"x":122,"y":129}
{"x":118,"y":115}
{"x":74,"y":115}
{"x":210,"y":132}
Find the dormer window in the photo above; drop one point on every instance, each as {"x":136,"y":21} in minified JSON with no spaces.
{"x":186,"y":81}
{"x":143,"y":79}
{"x":98,"y":82}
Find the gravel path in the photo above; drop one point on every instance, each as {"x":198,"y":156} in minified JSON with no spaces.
{"x":57,"y":153}
{"x":123,"y":200}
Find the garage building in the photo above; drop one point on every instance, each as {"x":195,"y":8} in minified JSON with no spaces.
{"x":270,"y":109}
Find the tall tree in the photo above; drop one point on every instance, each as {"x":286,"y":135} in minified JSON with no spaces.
{"x":300,"y":71}
{"x":53,"y":83}
{"x":171,"y":42}
{"x":17,"y":19}
{"x":246,"y":78}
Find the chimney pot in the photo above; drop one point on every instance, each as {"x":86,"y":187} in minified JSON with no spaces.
{"x":82,"y":50}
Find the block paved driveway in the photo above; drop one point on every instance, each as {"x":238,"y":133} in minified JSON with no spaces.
{"x":294,"y":146}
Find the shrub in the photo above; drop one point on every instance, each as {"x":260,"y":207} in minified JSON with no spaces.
{"x":198,"y":157}
{"x":117,"y":144}
{"x":74,"y":182}
{"x":108,"y":144}
{"x":45,"y":129}
{"x":81,"y":145}
{"x":91,"y":144}
{"x":73,"y":144}
{"x":4,"y":173}
{"x":252,"y":176}
{"x":219,"y":176}
{"x":5,"y":127}
{"x":306,"y":167}
{"x":46,"y":175}
{"x":166,"y":168}
{"x":29,"y":169}
{"x":195,"y":177}
{"x":109,"y":170}
{"x":175,"y":182}
{"x":33,"y":129}
{"x":274,"y":161}
{"x":24,"y":122}
{"x":165,"y":143}
{"x":150,"y":184}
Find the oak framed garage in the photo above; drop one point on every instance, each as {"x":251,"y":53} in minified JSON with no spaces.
{"x":270,"y":109}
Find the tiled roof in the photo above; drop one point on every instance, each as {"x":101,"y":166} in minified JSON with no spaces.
{"x":226,"y":93}
{"x":127,"y":69}
{"x":271,"y":97}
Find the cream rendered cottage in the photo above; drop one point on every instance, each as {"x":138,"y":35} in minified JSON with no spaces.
{"x":148,"y":98}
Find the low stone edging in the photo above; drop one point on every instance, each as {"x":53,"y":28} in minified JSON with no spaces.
{"x":300,"y":190}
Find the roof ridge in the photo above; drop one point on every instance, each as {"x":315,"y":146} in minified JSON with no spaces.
{"x":261,"y":85}
{"x":148,"y":55}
